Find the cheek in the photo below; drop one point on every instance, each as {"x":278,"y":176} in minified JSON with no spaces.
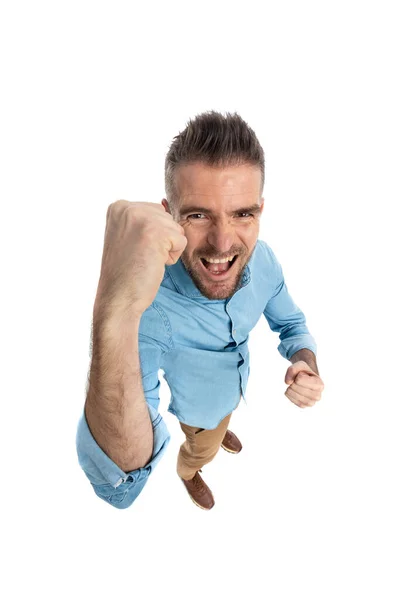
{"x":249,"y":235}
{"x":194,"y":240}
{"x":243,"y":237}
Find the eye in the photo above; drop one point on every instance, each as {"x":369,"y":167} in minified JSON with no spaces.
{"x":196,"y":215}
{"x":245,"y":213}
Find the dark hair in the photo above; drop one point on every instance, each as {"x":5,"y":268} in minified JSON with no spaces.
{"x":215,"y":140}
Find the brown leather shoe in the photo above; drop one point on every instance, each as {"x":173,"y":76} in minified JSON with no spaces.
{"x":231,"y":443}
{"x":199,"y":492}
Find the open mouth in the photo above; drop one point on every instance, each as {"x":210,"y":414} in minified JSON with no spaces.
{"x":218,"y":268}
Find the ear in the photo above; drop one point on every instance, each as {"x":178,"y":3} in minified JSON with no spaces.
{"x":165,"y":204}
{"x":262,"y":204}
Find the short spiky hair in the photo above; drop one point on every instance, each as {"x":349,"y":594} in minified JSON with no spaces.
{"x":215,"y":140}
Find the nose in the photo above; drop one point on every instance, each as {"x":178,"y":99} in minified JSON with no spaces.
{"x":221,"y":236}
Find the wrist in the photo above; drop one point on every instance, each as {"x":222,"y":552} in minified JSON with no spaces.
{"x":306,"y":356}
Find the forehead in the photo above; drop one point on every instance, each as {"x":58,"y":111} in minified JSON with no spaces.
{"x":204,"y":184}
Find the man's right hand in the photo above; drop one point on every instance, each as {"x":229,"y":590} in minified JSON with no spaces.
{"x":140,"y":239}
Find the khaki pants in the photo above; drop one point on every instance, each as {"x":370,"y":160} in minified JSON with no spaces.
{"x":200,"y":447}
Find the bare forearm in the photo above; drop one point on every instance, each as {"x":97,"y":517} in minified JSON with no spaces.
{"x":308,"y":356}
{"x":116,"y":409}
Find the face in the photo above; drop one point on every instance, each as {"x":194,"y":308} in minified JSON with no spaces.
{"x":220,"y":211}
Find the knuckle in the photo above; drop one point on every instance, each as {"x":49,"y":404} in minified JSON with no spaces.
{"x":117,"y":207}
{"x":119,"y":203}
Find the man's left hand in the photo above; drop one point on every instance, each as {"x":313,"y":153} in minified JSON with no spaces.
{"x":305,"y":387}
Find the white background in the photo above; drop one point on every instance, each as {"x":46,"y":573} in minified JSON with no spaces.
{"x":92,"y":95}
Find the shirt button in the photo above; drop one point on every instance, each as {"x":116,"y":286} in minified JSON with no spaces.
{"x":234,"y":331}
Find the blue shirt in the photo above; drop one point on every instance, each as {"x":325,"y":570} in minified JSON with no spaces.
{"x":202,"y":345}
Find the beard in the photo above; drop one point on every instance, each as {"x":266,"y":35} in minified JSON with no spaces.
{"x":215,"y":290}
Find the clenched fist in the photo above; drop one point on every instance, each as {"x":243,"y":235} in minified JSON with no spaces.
{"x":140,"y":239}
{"x":305,"y":387}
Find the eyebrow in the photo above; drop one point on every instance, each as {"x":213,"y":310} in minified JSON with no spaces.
{"x":254,"y":208}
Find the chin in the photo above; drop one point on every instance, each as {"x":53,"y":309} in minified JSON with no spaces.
{"x":211,"y":289}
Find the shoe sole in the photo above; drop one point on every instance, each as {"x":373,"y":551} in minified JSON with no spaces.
{"x":199,"y":505}
{"x":230,"y":451}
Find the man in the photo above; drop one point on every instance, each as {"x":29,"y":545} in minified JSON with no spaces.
{"x":181,"y":286}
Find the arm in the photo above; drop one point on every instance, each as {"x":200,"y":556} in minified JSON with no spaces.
{"x":286,"y":318}
{"x":139,"y":240}
{"x":115,"y":408}
{"x":297,"y":344}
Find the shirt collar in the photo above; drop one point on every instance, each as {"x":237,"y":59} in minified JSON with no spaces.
{"x":186,"y":286}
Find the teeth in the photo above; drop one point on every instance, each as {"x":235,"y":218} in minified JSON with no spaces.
{"x":219,"y":260}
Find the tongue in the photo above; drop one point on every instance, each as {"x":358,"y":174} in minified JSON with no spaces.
{"x":217,"y":267}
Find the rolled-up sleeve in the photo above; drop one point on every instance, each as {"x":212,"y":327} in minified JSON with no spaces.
{"x":110,"y":483}
{"x":286,"y":318}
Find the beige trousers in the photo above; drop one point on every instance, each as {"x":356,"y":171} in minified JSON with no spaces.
{"x":200,"y":447}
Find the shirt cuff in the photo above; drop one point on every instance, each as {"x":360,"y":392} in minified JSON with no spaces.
{"x":293,"y":344}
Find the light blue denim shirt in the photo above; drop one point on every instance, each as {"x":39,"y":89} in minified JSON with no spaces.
{"x":201,"y":345}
